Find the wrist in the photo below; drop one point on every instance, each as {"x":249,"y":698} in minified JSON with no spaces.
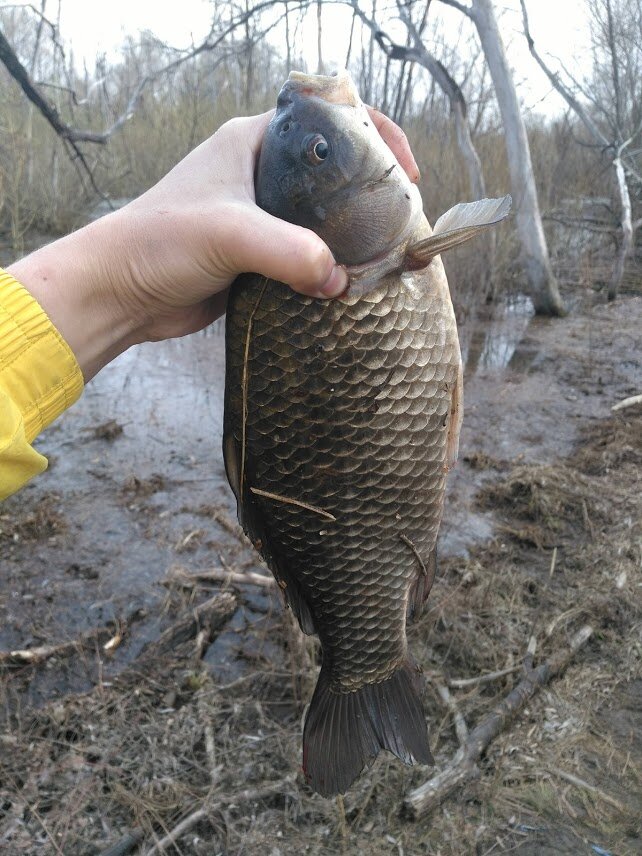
{"x":72,"y":281}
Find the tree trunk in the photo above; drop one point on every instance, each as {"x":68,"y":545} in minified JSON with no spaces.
{"x":320,"y":66}
{"x":535,"y":259}
{"x":627,"y":230}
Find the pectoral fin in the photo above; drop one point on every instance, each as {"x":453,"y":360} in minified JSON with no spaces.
{"x":458,"y":225}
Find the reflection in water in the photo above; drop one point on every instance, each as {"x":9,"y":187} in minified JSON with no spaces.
{"x":495,"y":344}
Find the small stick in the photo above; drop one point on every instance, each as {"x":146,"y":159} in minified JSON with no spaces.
{"x":463,"y":766}
{"x":627,"y":402}
{"x":343,"y":823}
{"x":580,"y":783}
{"x":210,"y":742}
{"x":39,"y":653}
{"x":409,"y":543}
{"x":461,"y":729}
{"x":220,"y":575}
{"x":553,"y":562}
{"x":288,"y":501}
{"x":489,"y":677}
{"x":245,"y":381}
{"x":212,"y":615}
{"x":184,"y":826}
{"x":125,"y":845}
{"x":225,"y":522}
{"x":587,"y":519}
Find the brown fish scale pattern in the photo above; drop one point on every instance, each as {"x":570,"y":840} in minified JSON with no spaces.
{"x":347,"y":409}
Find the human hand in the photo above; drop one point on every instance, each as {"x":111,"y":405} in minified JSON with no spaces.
{"x":161,"y":266}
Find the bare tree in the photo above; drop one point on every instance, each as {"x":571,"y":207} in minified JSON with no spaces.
{"x":610,"y":109}
{"x":534,"y":251}
{"x":217,"y":40}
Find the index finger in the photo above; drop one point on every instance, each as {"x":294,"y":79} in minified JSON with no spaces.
{"x":397,"y":142}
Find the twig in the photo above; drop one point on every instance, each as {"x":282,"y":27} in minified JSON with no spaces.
{"x":245,"y":383}
{"x":211,"y":615}
{"x":54,"y":843}
{"x":126,"y":844}
{"x":415,"y":552}
{"x":31,"y":656}
{"x":488,"y":678}
{"x":248,"y":795}
{"x":553,"y":563}
{"x":210,"y":742}
{"x":461,"y":729}
{"x":219,"y":575}
{"x":226,"y":522}
{"x":627,"y":402}
{"x":289,"y":501}
{"x":463,"y":767}
{"x":580,"y":783}
{"x":184,"y":826}
{"x":343,"y":823}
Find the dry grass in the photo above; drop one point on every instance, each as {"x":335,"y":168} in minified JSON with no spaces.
{"x":166,"y":739}
{"x":43,"y":520}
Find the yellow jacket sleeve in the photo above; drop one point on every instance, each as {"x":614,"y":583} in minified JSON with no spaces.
{"x":39,"y":378}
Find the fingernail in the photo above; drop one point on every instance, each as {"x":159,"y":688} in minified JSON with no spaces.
{"x":336,"y":283}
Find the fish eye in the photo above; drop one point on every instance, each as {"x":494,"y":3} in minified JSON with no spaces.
{"x":315,"y":149}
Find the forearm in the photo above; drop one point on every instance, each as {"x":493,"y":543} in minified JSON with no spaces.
{"x":71,"y":280}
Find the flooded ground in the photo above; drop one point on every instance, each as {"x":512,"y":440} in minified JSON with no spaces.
{"x":136,"y":488}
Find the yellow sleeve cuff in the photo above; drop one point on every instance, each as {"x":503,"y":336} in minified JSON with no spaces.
{"x":39,"y":379}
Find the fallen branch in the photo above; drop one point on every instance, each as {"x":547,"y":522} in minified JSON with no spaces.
{"x":209,"y":616}
{"x":219,"y":575}
{"x":463,"y":767}
{"x":627,"y":402}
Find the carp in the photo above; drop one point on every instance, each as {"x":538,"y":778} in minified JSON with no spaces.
{"x":342,"y":418}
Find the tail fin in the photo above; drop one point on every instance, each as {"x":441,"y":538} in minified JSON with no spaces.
{"x":344,"y":732}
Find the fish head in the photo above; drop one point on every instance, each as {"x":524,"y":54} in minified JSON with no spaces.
{"x":323,"y":165}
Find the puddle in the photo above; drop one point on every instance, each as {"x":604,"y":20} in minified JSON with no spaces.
{"x":496,"y":343}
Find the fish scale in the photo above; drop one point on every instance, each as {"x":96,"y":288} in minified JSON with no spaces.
{"x":323,"y":429}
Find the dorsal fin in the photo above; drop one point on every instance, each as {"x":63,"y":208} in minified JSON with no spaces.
{"x":461,"y":223}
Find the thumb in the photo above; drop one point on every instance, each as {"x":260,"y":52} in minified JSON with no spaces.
{"x":285,"y":252}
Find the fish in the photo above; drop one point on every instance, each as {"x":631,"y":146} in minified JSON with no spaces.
{"x":342,"y":418}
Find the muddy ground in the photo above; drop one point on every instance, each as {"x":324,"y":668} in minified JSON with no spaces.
{"x":132,"y":731}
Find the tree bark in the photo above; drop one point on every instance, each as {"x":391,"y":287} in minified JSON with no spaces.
{"x":627,"y":229}
{"x":535,"y":259}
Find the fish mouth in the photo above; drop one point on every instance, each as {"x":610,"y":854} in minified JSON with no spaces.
{"x":336,"y":88}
